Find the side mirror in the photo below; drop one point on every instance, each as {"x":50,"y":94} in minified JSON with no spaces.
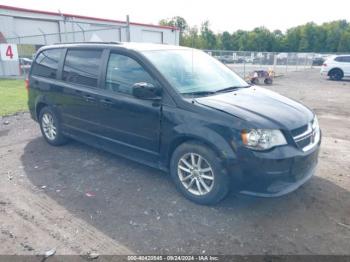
{"x":146,"y":91}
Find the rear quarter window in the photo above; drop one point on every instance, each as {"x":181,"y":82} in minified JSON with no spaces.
{"x":82,"y":67}
{"x":46,"y":63}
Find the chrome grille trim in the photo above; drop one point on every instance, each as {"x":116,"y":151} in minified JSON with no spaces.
{"x":303,"y":137}
{"x":306,"y":135}
{"x":308,"y":132}
{"x":308,"y":147}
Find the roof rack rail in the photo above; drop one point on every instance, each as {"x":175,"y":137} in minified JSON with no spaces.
{"x":117,"y":43}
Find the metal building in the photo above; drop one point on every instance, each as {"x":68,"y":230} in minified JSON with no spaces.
{"x":30,"y":29}
{"x":25,"y":26}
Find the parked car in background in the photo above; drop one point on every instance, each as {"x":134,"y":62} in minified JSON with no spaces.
{"x":226,"y":59}
{"x":177,"y":109}
{"x":239,"y":60}
{"x":336,"y":67}
{"x":318,"y":61}
{"x":25,"y":64}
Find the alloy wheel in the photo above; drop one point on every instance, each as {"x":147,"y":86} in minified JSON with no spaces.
{"x":48,"y":125}
{"x":195,"y":174}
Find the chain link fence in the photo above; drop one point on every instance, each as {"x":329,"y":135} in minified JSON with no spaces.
{"x":27,"y":45}
{"x":245,"y":63}
{"x":107,"y":33}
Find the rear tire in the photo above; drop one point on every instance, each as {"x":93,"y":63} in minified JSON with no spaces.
{"x":50,"y":127}
{"x":336,"y":74}
{"x":199,"y":174}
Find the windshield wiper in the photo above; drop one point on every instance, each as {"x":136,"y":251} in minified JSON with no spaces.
{"x":231,"y":88}
{"x":199,"y":93}
{"x":205,"y":93}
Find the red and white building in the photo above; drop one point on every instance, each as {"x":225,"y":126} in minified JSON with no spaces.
{"x":23,"y":28}
{"x":27,"y":26}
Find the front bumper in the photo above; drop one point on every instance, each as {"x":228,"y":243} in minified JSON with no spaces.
{"x":324,"y":73}
{"x":277,"y":172}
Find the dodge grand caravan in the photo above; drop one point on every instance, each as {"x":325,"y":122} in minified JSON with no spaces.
{"x":176,"y":109}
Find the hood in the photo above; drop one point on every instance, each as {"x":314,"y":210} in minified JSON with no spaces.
{"x":261,"y":107}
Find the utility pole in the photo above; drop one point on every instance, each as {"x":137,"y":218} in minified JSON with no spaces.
{"x":127,"y":28}
{"x":82,"y":29}
{"x":44,"y":35}
{"x":64,"y":25}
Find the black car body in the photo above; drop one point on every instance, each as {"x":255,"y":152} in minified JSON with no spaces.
{"x":152,"y":121}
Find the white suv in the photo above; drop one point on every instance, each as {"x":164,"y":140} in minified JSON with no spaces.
{"x":336,"y":67}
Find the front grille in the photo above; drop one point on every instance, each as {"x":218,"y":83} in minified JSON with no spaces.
{"x":305,"y":136}
{"x":304,"y":142}
{"x":300,"y":130}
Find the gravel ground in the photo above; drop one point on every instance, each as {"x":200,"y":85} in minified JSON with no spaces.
{"x":78,"y":199}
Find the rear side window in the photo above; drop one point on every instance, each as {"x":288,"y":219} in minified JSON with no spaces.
{"x":46,"y":63}
{"x":123,"y":72}
{"x":82,"y":67}
{"x":345,"y":59}
{"x":339,"y":59}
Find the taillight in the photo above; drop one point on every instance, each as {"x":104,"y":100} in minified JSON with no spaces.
{"x":27,"y":84}
{"x":324,"y":65}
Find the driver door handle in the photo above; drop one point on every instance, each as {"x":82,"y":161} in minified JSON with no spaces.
{"x":107,"y":101}
{"x":89,"y":98}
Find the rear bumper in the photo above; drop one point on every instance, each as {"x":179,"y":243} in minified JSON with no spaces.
{"x":32,"y":115}
{"x":278,"y":172}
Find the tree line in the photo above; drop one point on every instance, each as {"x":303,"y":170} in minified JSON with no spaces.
{"x":328,"y":37}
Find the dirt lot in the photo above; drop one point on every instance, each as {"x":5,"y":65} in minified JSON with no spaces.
{"x":77,"y":199}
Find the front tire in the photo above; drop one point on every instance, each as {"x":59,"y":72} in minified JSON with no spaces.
{"x":50,"y":127}
{"x":199,"y":174}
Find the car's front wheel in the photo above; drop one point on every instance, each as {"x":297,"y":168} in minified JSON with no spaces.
{"x":199,"y":174}
{"x":50,"y":127}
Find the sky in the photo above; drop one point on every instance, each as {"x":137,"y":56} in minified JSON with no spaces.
{"x":224,"y":15}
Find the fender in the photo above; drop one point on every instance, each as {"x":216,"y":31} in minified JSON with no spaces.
{"x":184,"y":132}
{"x":42,"y":99}
{"x":335,"y":68}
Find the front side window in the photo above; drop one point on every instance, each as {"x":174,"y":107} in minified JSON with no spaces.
{"x":123,"y":72}
{"x":46,"y":63}
{"x":193,"y":71}
{"x":82,"y":67}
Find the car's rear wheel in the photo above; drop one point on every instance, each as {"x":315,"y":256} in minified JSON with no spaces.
{"x":50,"y":127}
{"x":199,"y":174}
{"x":336,"y":74}
{"x":268,"y":81}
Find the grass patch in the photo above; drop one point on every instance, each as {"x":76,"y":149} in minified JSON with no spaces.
{"x":13,"y":97}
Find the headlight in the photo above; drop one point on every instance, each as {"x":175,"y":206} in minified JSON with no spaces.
{"x":262,"y":139}
{"x":316,"y":129}
{"x":315,"y":125}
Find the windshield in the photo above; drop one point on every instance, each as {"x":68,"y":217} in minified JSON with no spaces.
{"x":192,"y":71}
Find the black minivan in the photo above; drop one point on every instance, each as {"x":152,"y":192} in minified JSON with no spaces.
{"x":176,"y":109}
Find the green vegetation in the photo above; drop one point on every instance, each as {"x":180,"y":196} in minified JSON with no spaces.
{"x":13,"y":97}
{"x":328,"y":37}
